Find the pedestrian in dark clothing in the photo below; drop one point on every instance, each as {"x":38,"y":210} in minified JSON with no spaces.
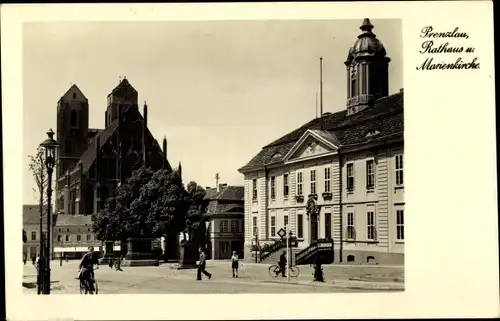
{"x":33,"y":259}
{"x":201,"y":266}
{"x":282,"y":263}
{"x":119,"y":263}
{"x":110,"y":263}
{"x":234,"y":264}
{"x":25,"y":258}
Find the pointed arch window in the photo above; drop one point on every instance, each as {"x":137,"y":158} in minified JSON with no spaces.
{"x":354,"y":91}
{"x":73,"y":118}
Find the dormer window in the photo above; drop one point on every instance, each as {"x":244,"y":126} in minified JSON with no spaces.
{"x":372,"y":133}
{"x":277,"y":155}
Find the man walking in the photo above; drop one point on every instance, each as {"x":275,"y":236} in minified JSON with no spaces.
{"x":282,"y":263}
{"x":201,"y":266}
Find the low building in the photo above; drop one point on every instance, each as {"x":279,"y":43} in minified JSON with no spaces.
{"x":31,"y":225}
{"x":73,"y":235}
{"x":225,"y":215}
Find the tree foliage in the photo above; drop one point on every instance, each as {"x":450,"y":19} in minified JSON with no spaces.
{"x":197,"y":205}
{"x":38,"y":171}
{"x":151,"y":204}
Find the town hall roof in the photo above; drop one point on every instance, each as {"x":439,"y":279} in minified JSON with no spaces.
{"x":385,"y":118}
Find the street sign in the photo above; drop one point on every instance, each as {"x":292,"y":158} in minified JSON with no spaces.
{"x":282,"y":233}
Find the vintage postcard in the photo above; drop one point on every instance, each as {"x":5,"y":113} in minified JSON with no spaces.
{"x":341,"y":154}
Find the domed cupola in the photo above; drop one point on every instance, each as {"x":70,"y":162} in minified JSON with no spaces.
{"x":367,"y":70}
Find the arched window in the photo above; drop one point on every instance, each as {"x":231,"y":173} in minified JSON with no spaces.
{"x":73,"y":118}
{"x":354,"y":92}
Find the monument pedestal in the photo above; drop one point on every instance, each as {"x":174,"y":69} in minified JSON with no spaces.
{"x":140,"y":253}
{"x":188,"y":256}
{"x":108,"y":252}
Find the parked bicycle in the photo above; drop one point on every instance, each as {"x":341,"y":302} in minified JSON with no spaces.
{"x":274,"y":270}
{"x":85,"y":285}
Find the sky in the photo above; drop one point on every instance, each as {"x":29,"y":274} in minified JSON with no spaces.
{"x":218,"y":90}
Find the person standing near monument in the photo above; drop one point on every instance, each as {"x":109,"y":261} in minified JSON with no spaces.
{"x":202,"y":266}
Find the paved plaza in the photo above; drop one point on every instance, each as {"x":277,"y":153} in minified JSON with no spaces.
{"x":253,"y":278}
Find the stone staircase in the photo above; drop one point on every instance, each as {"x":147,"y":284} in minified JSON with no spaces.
{"x":275,"y":256}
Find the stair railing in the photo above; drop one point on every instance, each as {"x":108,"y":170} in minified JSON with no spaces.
{"x":312,"y":249}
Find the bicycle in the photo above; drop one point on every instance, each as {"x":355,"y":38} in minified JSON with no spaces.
{"x":85,"y":288}
{"x":274,"y":270}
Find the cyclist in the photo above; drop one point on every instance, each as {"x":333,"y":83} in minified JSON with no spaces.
{"x":282,"y":264}
{"x":86,"y":268}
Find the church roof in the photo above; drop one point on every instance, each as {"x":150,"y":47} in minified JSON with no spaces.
{"x":385,"y":117}
{"x":123,"y":86}
{"x":104,"y":135}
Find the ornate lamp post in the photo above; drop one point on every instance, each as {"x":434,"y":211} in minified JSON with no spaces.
{"x":50,"y":146}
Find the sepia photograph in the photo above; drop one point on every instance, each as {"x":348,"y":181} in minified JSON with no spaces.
{"x":180,"y":157}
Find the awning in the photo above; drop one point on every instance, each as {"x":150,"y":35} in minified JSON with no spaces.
{"x":74,"y":249}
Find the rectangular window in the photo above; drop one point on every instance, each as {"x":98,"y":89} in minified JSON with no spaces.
{"x":88,"y":237}
{"x":273,"y":226}
{"x":254,"y":189}
{"x":33,"y":236}
{"x":350,"y":177}
{"x":328,"y":180}
{"x":254,"y":225}
{"x":285,"y":220}
{"x":364,"y":75}
{"x":400,"y":225}
{"x":351,"y":232}
{"x":59,"y":238}
{"x":370,"y":225}
{"x":285,"y":185}
{"x":223,"y":226}
{"x":370,"y":174}
{"x":235,"y":226}
{"x":273,"y":187}
{"x":67,"y":238}
{"x":399,"y":169}
{"x":313,"y":181}
{"x":328,"y":226}
{"x":300,"y":226}
{"x":299,"y":183}
{"x":78,"y":238}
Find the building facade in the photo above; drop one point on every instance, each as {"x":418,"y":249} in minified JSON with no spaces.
{"x":73,"y":235}
{"x":92,"y":162}
{"x":224,"y":221}
{"x":347,"y":165}
{"x":31,"y":225}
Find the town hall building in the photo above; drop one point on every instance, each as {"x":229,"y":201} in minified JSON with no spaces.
{"x":348,"y":165}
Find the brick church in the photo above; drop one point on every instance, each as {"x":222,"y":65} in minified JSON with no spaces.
{"x":92,"y":162}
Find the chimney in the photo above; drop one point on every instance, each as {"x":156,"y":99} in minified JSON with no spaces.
{"x":217,"y":182}
{"x":144,"y":131}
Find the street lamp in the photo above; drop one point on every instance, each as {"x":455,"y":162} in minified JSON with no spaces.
{"x":50,"y":145}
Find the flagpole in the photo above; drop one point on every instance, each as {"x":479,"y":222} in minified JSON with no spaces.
{"x":321,"y":90}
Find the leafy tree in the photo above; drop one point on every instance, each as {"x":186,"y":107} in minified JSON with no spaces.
{"x":122,"y":217}
{"x":163,"y":199}
{"x":38,"y":170}
{"x":196,"y":208}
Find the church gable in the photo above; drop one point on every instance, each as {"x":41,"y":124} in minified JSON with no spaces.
{"x":310,"y":145}
{"x":74,"y":94}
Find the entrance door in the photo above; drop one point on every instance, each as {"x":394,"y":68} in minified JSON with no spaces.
{"x":314,"y":228}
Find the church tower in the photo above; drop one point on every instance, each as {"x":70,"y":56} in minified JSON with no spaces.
{"x":123,"y":94}
{"x":72,"y":128}
{"x":367,"y":70}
